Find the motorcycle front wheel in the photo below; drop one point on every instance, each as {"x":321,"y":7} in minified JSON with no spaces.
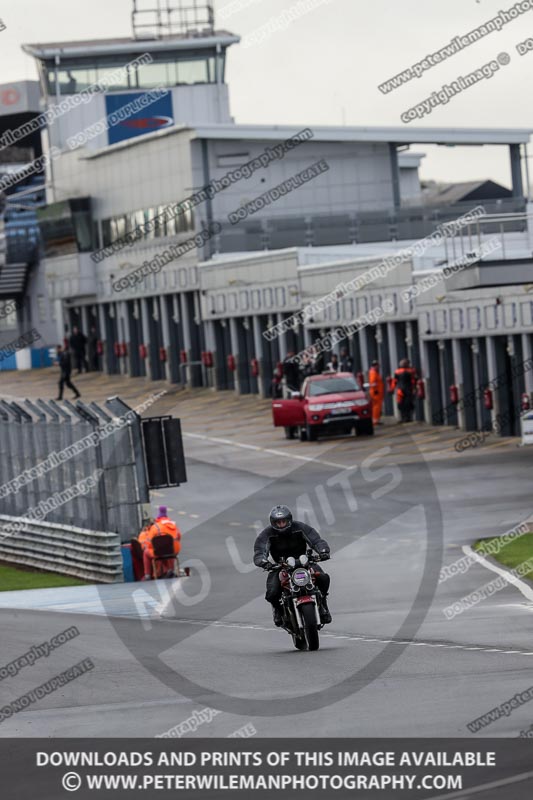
{"x":299,"y":641}
{"x":310,"y":625}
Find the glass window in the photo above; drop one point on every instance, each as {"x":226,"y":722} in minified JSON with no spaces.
{"x":72,"y":79}
{"x":189,"y":219}
{"x":41,"y":308}
{"x":172,"y":72}
{"x":115,"y":81}
{"x":171,"y":222}
{"x":181,"y":223}
{"x":222,"y":66}
{"x":51,"y":80}
{"x":81,"y":221}
{"x":151,"y":75}
{"x":130,"y":222}
{"x":193,"y":71}
{"x":184,"y":221}
{"x":106,"y":232}
{"x":56,"y":223}
{"x":211,"y":65}
{"x":121,"y":227}
{"x":68,"y":83}
{"x":333,"y":386}
{"x":166,"y":70}
{"x":8,"y":319}
{"x":148,"y":217}
{"x":161,"y":229}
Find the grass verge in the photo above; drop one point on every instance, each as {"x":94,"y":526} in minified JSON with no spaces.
{"x":511,"y":555}
{"x":14,"y":578}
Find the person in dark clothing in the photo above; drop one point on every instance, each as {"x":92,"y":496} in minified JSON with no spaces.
{"x":310,"y":364}
{"x":63,"y":358}
{"x":275,"y":384}
{"x":307,"y":367}
{"x":291,"y":373}
{"x":404,"y":383}
{"x":346,"y":361}
{"x":78,"y":343}
{"x":319,"y":365}
{"x":92,"y":349}
{"x":282,"y":538}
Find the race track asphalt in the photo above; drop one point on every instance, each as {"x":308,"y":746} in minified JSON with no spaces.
{"x":390,"y":665}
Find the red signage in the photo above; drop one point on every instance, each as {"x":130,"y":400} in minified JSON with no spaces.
{"x":9,"y":96}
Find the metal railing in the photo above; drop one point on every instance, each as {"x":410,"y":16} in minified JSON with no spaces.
{"x":86,"y":554}
{"x":324,"y":230}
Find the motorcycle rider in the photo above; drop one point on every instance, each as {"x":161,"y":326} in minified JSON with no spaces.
{"x":282,"y":538}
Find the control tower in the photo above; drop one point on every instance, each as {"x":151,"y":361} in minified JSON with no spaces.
{"x":184,"y":55}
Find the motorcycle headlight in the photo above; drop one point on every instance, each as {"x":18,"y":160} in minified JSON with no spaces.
{"x":301,"y":577}
{"x":316,"y":408}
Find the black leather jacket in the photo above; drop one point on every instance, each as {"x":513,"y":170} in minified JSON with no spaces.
{"x":281,"y":545}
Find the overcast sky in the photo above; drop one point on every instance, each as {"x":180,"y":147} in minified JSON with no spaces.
{"x":325,"y":67}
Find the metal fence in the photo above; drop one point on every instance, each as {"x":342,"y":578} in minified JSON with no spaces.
{"x":82,"y":465}
{"x":324,"y":230}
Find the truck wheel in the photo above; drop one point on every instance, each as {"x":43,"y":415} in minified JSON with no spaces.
{"x":312,"y":433}
{"x":289,"y":432}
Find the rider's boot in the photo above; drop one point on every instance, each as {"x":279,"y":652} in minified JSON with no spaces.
{"x":325,"y":615}
{"x":277,"y":615}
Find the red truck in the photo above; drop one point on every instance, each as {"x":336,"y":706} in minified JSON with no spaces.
{"x":333,"y":402}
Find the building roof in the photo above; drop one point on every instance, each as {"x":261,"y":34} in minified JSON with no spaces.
{"x":277,"y":133}
{"x":440,"y":194}
{"x":100,"y":47}
{"x":403,"y":135}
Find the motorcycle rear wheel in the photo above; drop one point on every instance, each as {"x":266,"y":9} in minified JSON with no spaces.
{"x":310,"y":626}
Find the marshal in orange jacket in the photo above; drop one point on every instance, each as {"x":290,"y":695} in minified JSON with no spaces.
{"x":161,"y":526}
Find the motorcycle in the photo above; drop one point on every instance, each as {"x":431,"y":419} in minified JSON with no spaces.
{"x":300,"y":600}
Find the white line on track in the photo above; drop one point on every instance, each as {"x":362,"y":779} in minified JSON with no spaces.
{"x":241,"y":445}
{"x":356,"y":637}
{"x":526,"y":590}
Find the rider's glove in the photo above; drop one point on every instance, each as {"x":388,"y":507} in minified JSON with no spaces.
{"x":324,"y":555}
{"x":265,"y":565}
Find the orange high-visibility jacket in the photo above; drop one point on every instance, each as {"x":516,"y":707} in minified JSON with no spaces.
{"x":144,"y":536}
{"x":162,"y":525}
{"x":404,"y":381}
{"x":376,"y":383}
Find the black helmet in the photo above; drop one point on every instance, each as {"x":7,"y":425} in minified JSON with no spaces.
{"x":277,"y":515}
